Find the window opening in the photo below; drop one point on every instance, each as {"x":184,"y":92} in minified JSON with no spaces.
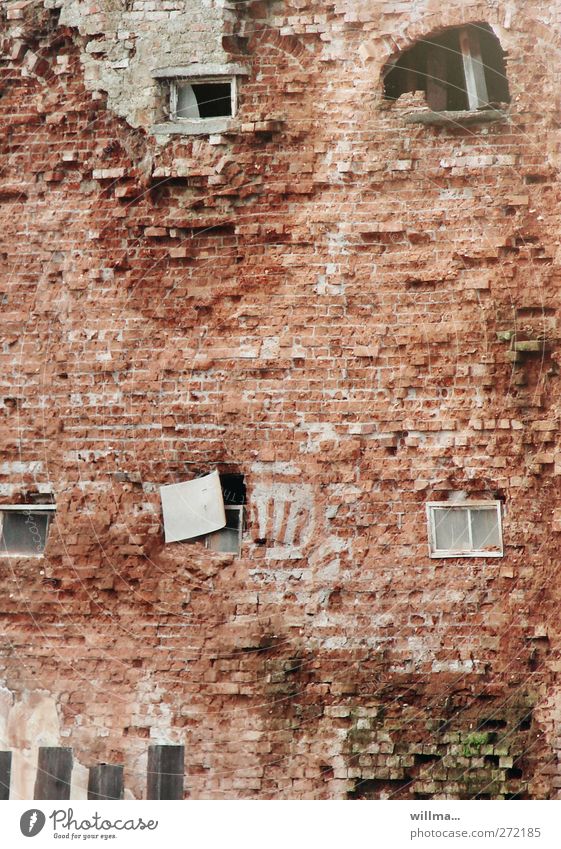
{"x":460,"y":69}
{"x":233,"y":488}
{"x":192,"y":508}
{"x":195,"y":101}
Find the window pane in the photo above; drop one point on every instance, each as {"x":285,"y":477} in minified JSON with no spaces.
{"x":451,"y":529}
{"x":23,"y":533}
{"x":227,"y":539}
{"x":485,"y":529}
{"x":187,"y":106}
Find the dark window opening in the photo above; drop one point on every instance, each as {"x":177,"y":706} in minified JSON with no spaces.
{"x":460,"y":69}
{"x":213,"y":99}
{"x":491,"y":723}
{"x":203,"y":100}
{"x":229,"y":538}
{"x":233,"y":489}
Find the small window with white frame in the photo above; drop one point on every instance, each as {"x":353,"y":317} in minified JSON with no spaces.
{"x":203,"y":97}
{"x":24,"y":529}
{"x":465,"y":529}
{"x":212,"y":97}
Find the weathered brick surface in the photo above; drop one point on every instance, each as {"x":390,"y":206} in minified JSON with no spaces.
{"x":324,"y":300}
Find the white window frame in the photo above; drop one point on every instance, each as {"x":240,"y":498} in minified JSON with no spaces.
{"x":474,"y":71}
{"x":27,"y":509}
{"x":468,"y":506}
{"x":238,"y":508}
{"x":179,"y":81}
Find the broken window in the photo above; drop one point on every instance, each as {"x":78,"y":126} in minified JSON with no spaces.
{"x":200,"y":98}
{"x":229,"y":538}
{"x":460,"y":69}
{"x":195,"y":101}
{"x":233,"y":488}
{"x":208,"y":509}
{"x":24,"y":529}
{"x":192,"y":508}
{"x":469,"y":529}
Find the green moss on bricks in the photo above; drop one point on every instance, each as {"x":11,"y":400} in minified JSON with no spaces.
{"x":471,"y":745}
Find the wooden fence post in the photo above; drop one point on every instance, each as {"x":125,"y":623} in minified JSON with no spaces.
{"x":54,"y":771}
{"x":105,"y":781}
{"x":5,"y":772}
{"x":166,"y":765}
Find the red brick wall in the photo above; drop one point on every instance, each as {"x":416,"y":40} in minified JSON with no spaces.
{"x":314,"y":303}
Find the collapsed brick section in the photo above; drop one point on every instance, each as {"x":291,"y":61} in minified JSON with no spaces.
{"x":359,"y":315}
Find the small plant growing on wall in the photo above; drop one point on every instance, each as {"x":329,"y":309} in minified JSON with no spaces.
{"x":473,"y":742}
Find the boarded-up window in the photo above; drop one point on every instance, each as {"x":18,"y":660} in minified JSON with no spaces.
{"x":193,"y":508}
{"x":471,"y":529}
{"x":209,"y":508}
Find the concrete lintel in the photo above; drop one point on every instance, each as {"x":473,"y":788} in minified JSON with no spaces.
{"x":200,"y":69}
{"x":27,"y":508}
{"x":461,"y":118}
{"x":204,"y":127}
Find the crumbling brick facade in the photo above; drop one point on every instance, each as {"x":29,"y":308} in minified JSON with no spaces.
{"x":330,"y":300}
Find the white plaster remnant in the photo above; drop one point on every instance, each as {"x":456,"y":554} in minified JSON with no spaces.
{"x":27,"y":722}
{"x":129,"y":41}
{"x":326,"y":560}
{"x":285,"y":515}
